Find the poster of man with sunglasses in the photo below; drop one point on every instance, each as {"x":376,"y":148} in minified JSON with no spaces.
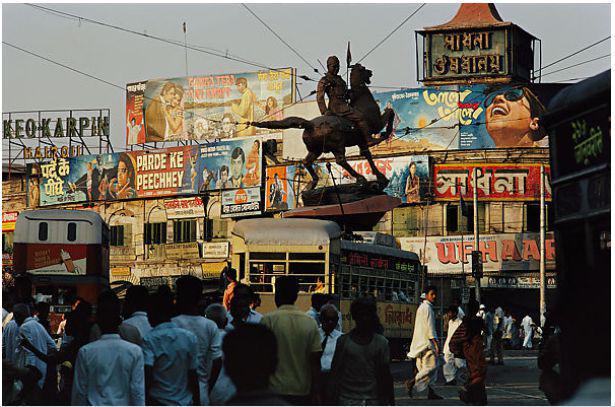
{"x":469,"y":117}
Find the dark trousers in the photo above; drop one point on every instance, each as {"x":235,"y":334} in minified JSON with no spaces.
{"x":297,"y":400}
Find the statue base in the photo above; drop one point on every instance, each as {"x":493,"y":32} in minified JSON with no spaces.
{"x":347,"y":193}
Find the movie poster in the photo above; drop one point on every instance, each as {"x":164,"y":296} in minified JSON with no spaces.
{"x":215,"y":107}
{"x":183,"y":170}
{"x":135,"y":129}
{"x":408,"y":179}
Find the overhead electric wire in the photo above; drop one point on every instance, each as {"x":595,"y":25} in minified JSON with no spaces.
{"x":172,"y":42}
{"x":570,"y":56}
{"x":392,"y":32}
{"x":280,"y":38}
{"x":575,"y":65}
{"x":122,"y":87}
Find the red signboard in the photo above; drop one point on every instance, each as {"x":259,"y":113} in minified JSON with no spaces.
{"x":8,"y":221}
{"x":497,"y":182}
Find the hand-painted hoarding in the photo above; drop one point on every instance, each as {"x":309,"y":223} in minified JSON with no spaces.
{"x":501,"y":252}
{"x":497,"y":182}
{"x":241,"y":202}
{"x":408,"y":179}
{"x":184,"y":170}
{"x":451,"y":118}
{"x":209,"y":107}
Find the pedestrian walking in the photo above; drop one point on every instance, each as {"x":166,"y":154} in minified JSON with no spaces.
{"x":189,"y":292}
{"x":251,"y":367}
{"x":497,"y":347}
{"x":223,"y":388}
{"x":230,"y":274}
{"x":488,"y":331}
{"x":526,"y":324}
{"x":329,"y":336}
{"x":467,"y":341}
{"x":170,"y":356}
{"x":360,"y":371}
{"x":297,"y":376}
{"x":424,"y":346}
{"x":453,"y":367}
{"x":32,"y":335}
{"x":515,"y":335}
{"x":109,"y":371}
{"x":318,"y":300}
{"x":135,"y":309}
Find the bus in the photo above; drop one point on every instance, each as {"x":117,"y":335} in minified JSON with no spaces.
{"x":579,"y":127}
{"x":315,"y":253}
{"x":66,"y":255}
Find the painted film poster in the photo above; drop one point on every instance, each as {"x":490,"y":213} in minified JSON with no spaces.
{"x":215,"y":107}
{"x":467,"y":117}
{"x":184,"y":170}
{"x":408,"y":179}
{"x":499,"y":182}
{"x":135,"y":129}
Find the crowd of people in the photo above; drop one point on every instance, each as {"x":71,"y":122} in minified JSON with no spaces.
{"x":170,"y":347}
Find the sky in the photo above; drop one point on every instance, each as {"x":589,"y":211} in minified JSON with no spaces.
{"x":315,"y":31}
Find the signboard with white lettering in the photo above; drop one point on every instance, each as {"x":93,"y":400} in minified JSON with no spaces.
{"x":241,"y":202}
{"x":184,"y":208}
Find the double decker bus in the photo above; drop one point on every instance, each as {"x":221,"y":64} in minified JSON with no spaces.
{"x":316,"y":254}
{"x":66,"y":255}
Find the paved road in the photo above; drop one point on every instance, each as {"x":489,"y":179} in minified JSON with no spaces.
{"x":515,"y":383}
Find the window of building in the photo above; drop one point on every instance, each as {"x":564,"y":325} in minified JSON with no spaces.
{"x":184,"y":231}
{"x":117,"y":235}
{"x":452,"y":218}
{"x":155,"y":233}
{"x":43,"y":231}
{"x":532,"y":223}
{"x":71,"y":234}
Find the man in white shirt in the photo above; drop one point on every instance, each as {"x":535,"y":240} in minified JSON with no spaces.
{"x":224,"y":388}
{"x":109,"y":371}
{"x":34,"y":333}
{"x":526,"y":323}
{"x":9,"y":340}
{"x":189,"y":292}
{"x":452,"y":364}
{"x":171,"y":357}
{"x":424,"y":346}
{"x":136,"y":309}
{"x":318,"y":300}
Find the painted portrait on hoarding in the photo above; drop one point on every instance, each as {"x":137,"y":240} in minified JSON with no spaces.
{"x":511,"y":117}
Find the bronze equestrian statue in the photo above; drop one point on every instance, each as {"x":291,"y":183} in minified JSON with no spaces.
{"x":342,"y":124}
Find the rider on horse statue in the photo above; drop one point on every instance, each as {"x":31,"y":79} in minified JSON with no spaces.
{"x":335,"y":88}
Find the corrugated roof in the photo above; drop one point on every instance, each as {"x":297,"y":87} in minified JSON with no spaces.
{"x":287,"y":231}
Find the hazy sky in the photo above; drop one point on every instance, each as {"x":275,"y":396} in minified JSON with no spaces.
{"x":314,"y":30}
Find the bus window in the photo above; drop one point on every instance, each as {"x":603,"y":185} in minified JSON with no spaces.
{"x":72,"y":232}
{"x":43,"y":231}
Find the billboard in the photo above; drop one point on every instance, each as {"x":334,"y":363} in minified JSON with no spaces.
{"x":501,"y":252}
{"x":241,"y":202}
{"x":408,"y":179}
{"x":210,"y":107}
{"x":135,"y":123}
{"x":498,"y":182}
{"x":184,"y":170}
{"x":451,"y":118}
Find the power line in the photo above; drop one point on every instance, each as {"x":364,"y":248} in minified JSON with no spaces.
{"x":571,"y":55}
{"x":167,"y":41}
{"x":575,"y":65}
{"x":280,"y":38}
{"x":392,"y":32}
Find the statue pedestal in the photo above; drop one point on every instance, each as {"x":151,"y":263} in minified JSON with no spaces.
{"x":347,"y":193}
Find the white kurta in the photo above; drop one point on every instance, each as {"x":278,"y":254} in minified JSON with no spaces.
{"x":452,"y":364}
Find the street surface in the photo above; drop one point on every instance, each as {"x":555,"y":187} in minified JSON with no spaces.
{"x":515,"y":383}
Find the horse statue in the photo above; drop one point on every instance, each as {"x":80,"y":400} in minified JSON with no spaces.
{"x":332,"y":134}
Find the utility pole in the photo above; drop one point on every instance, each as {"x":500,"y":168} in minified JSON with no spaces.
{"x":543,"y":301}
{"x":186,"y":46}
{"x":475,"y":207}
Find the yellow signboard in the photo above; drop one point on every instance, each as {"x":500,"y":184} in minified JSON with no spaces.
{"x":182,"y":250}
{"x":120,"y":271}
{"x":211,"y":271}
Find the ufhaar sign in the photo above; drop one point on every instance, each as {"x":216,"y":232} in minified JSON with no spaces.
{"x":501,"y":252}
